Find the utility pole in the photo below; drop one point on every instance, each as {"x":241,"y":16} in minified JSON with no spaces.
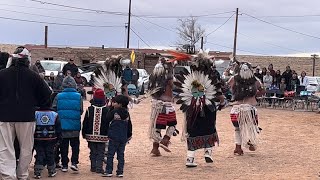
{"x":235,"y":35}
{"x":125,"y":34}
{"x":129,"y":23}
{"x":46,"y":37}
{"x":314,"y":57}
{"x":202,"y":42}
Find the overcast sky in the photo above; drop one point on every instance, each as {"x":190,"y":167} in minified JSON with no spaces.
{"x":255,"y":37}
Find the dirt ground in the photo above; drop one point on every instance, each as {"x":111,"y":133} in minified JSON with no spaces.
{"x":289,"y":149}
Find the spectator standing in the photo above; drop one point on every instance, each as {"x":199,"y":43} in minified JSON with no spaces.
{"x":21,"y":91}
{"x":277,"y":78}
{"x":258,"y":75}
{"x":293,"y":83}
{"x":287,"y":75}
{"x":39,"y":66}
{"x":58,"y":82}
{"x":216,"y":73}
{"x":127,"y":74}
{"x":71,"y":67}
{"x":45,"y":141}
{"x":50,"y":80}
{"x":304,"y":79}
{"x":119,"y":133}
{"x":135,"y":76}
{"x":267,"y":80}
{"x":69,"y":106}
{"x":95,"y":130}
{"x":263,"y":72}
{"x":272,"y":72}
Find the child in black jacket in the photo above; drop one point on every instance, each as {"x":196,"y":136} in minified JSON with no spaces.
{"x":95,"y":129}
{"x":119,"y":133}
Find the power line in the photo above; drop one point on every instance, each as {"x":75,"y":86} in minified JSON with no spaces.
{"x":170,"y":16}
{"x":275,"y":45}
{"x":140,"y":38}
{"x":220,"y":25}
{"x":84,"y":9}
{"x":156,"y":24}
{"x":50,"y":16}
{"x":149,"y":29}
{"x":237,"y":49}
{"x":63,"y":10}
{"x":121,"y":13}
{"x":61,"y":24}
{"x":297,"y":32}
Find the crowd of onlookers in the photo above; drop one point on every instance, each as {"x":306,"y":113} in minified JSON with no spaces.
{"x":33,"y":120}
{"x":286,"y":81}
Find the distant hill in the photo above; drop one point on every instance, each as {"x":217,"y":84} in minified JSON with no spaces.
{"x":8,"y":47}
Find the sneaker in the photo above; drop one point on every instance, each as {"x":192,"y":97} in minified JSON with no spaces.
{"x":93,"y":170}
{"x":100,"y":171}
{"x":190,"y":162}
{"x":64,"y":169}
{"x":37,"y":176}
{"x":74,"y":167}
{"x":52,"y":173}
{"x":207,"y":156}
{"x":120,"y":175}
{"x":58,"y":166}
{"x":107,"y":174}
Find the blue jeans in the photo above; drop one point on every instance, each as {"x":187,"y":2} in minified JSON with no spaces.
{"x":45,"y":153}
{"x":115,"y":146}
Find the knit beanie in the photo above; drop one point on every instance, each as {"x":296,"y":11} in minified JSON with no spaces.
{"x":98,"y":97}
{"x":69,"y":82}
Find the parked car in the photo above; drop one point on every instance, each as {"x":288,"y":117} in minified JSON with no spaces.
{"x":143,"y":80}
{"x":86,"y":76}
{"x":313,"y":84}
{"x":56,"y":66}
{"x":52,"y":66}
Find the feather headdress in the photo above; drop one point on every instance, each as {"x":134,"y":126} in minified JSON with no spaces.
{"x":160,"y":77}
{"x":199,"y":87}
{"x":108,"y":77}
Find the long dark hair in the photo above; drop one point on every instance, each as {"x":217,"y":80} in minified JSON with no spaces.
{"x":4,"y":56}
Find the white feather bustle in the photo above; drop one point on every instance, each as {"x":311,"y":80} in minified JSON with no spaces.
{"x":109,"y":77}
{"x":158,"y":69}
{"x":245,"y":72}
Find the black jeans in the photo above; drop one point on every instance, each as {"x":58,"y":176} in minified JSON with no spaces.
{"x":57,"y":153}
{"x":114,"y":147}
{"x":96,"y":154}
{"x":45,"y":154}
{"x":75,"y":146}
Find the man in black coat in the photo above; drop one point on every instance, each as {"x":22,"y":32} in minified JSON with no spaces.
{"x":21,"y":91}
{"x":71,"y":67}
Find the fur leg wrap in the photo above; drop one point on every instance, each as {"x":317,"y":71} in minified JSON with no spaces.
{"x":247,"y":124}
{"x":237,"y":137}
{"x":170,"y":131}
{"x":157,"y":135}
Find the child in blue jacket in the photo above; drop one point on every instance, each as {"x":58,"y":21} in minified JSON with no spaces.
{"x":119,"y":133}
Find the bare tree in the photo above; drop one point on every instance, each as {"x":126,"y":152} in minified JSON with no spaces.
{"x":190,"y":32}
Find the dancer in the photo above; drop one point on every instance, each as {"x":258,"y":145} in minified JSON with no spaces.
{"x":163,"y":114}
{"x":245,"y":87}
{"x":199,"y":91}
